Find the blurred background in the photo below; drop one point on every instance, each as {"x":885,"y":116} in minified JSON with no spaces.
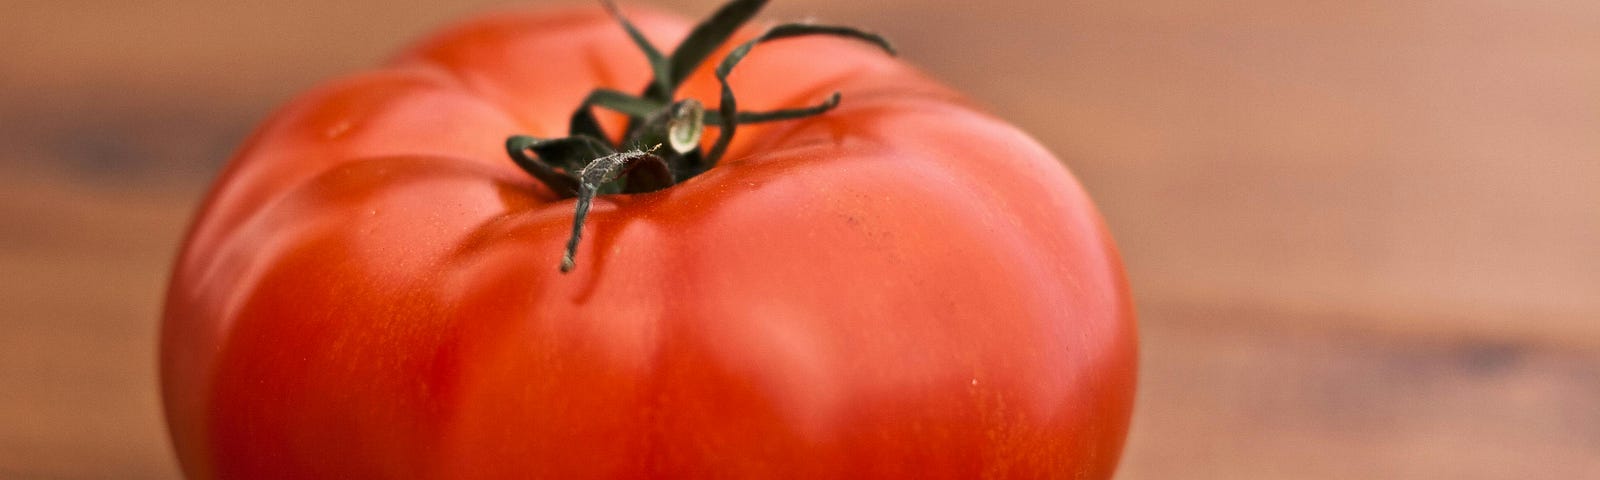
{"x":1364,"y":235}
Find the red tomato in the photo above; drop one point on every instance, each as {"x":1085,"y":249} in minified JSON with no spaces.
{"x":903,"y":287}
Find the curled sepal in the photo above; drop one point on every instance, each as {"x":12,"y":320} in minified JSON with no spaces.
{"x":702,"y":42}
{"x":743,"y":118}
{"x":571,"y":153}
{"x":584,"y":122}
{"x":728,"y":110}
{"x":658,"y":63}
{"x":603,"y":171}
{"x":562,"y":184}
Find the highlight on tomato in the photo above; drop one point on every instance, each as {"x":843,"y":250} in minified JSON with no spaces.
{"x":536,"y":244}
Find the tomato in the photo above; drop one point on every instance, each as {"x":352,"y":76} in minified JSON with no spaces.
{"x":901,"y":287}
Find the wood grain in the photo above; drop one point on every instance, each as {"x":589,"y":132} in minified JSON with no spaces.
{"x":1364,"y":236}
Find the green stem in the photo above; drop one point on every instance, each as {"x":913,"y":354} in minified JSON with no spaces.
{"x":586,"y":163}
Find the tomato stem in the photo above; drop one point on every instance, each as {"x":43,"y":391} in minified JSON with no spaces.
{"x":586,"y":163}
{"x":603,"y":171}
{"x":729,"y":107}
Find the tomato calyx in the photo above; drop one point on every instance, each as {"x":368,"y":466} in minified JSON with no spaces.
{"x":586,"y":163}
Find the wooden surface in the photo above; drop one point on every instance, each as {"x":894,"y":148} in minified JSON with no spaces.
{"x":1364,"y":235}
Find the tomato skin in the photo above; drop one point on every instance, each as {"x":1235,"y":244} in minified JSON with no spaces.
{"x":903,"y":287}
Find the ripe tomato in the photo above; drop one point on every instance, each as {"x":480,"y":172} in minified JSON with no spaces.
{"x":902,"y":287}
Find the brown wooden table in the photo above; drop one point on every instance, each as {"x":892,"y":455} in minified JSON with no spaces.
{"x":1364,"y":236}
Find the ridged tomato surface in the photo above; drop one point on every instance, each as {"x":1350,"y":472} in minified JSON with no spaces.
{"x":903,"y":287}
